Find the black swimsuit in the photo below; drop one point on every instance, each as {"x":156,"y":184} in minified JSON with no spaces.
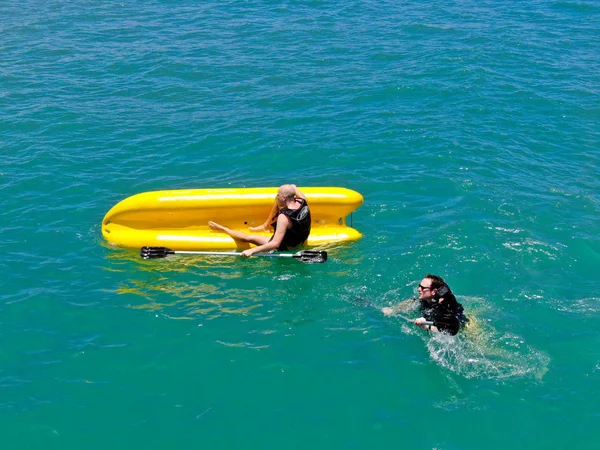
{"x":298,"y":233}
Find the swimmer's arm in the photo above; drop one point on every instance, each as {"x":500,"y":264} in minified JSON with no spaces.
{"x":404,"y":306}
{"x":422,"y":323}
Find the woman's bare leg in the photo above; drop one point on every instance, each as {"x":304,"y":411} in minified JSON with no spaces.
{"x":239,"y":235}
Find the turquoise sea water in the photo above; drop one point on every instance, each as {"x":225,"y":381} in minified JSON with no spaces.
{"x":471,"y":128}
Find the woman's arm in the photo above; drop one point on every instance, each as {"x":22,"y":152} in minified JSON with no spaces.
{"x":267,"y":225}
{"x":298,"y":193}
{"x":283,"y":222}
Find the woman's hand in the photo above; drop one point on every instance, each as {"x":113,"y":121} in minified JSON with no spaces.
{"x":247,"y":253}
{"x":259,"y":228}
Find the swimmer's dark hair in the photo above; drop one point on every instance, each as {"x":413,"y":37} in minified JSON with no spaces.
{"x":442,"y":287}
{"x":436,"y":282}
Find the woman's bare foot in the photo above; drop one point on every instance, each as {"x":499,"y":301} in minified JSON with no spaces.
{"x":216,"y":226}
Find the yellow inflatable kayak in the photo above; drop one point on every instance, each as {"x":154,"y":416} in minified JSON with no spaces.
{"x":178,"y":219}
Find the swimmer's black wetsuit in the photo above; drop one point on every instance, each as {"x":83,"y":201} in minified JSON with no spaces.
{"x":447,"y":316}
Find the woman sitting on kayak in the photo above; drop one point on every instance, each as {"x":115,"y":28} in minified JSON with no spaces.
{"x":289,"y":217}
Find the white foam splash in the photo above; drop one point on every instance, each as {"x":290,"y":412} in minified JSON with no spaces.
{"x":480,"y":352}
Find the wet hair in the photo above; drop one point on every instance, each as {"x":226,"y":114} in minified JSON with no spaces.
{"x":439,"y":283}
{"x":287,"y":191}
{"x":436,"y":282}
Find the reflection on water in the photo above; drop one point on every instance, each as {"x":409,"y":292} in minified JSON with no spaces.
{"x":205,"y":288}
{"x":119,"y":259}
{"x":209,"y":294}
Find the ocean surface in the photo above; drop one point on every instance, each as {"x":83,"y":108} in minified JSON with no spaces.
{"x":471,"y":128}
